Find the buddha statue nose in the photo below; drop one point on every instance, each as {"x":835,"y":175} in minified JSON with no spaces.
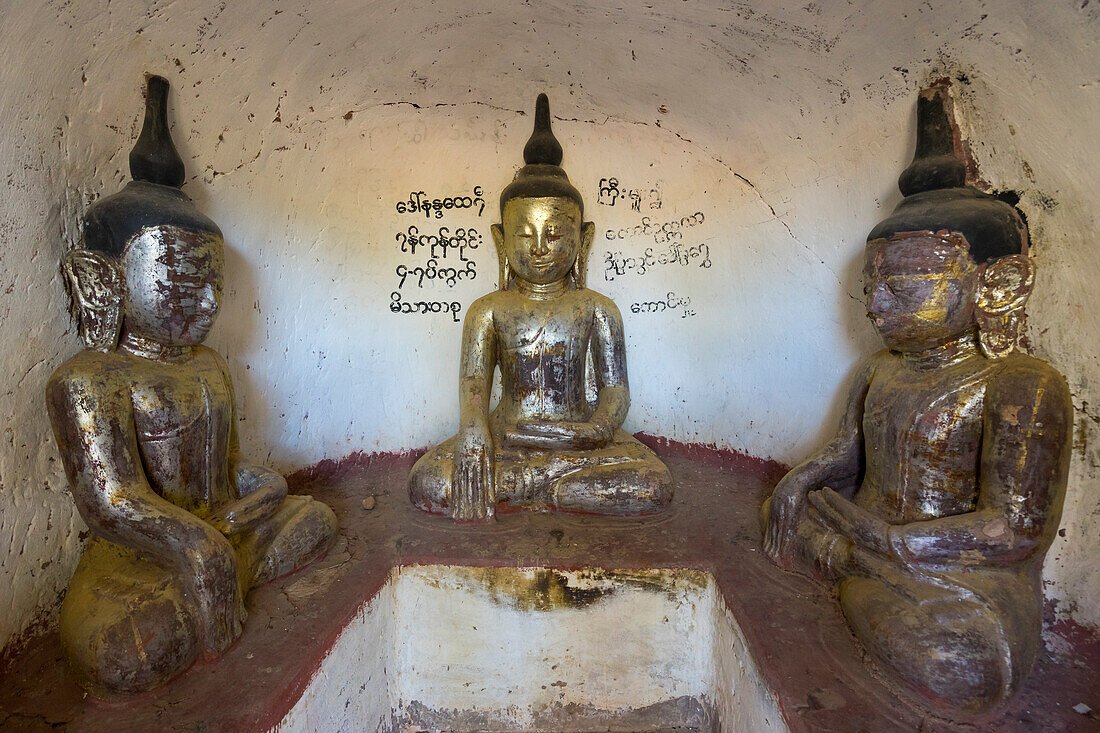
{"x":879,"y":301}
{"x":540,"y":244}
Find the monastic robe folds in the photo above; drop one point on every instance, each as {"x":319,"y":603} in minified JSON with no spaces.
{"x":184,"y":430}
{"x":965,"y":462}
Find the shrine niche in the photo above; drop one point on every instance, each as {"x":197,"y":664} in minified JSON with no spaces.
{"x":553,"y":521}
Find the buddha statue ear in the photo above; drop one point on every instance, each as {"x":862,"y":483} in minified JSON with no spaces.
{"x":1005,"y":286}
{"x":502,"y":258}
{"x":96,"y":287}
{"x":580,"y":266}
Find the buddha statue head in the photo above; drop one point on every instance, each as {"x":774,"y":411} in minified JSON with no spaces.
{"x":150,"y":265}
{"x":542,"y":238}
{"x":950,"y":257}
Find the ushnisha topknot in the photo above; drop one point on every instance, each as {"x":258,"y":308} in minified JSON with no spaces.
{"x":542,"y":148}
{"x":154,"y":157}
{"x":937,"y":195}
{"x":542,"y":174}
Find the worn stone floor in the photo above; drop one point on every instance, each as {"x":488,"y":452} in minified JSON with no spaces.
{"x":794,"y":629}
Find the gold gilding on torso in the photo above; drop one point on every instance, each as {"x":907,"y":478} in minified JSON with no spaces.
{"x":542,"y":364}
{"x":923,"y":433}
{"x":182,"y":415}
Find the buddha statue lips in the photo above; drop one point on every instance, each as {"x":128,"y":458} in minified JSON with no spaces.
{"x":934,"y":504}
{"x":545,"y":446}
{"x":182,"y":524}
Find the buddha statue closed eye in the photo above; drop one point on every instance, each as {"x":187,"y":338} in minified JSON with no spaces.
{"x":935,"y":502}
{"x":182,"y":524}
{"x":546,"y":445}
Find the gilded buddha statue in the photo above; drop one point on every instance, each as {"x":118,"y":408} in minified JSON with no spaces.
{"x":182,"y":524}
{"x":935,"y":502}
{"x":547,"y":445}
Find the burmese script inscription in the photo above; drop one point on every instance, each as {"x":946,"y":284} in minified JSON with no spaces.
{"x":439,"y":258}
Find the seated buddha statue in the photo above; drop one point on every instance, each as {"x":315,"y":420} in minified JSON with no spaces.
{"x":546,"y":445}
{"x":933,"y":505}
{"x":182,"y":524}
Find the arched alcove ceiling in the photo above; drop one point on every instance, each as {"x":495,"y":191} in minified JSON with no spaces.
{"x":744,"y":81}
{"x":741,"y":80}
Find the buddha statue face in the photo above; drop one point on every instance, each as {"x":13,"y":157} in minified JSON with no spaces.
{"x":924,"y":289}
{"x":921,"y":289}
{"x":541,"y":237}
{"x":173,"y":281}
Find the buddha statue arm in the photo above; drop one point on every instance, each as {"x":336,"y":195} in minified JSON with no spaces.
{"x":93,"y":424}
{"x":474,"y":494}
{"x":609,"y":355}
{"x":476,"y":368}
{"x":1027,"y":425}
{"x":838,"y":464}
{"x":613,"y":391}
{"x":260,"y":490}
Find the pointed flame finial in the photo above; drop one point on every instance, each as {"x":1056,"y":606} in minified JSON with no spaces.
{"x":938,"y":188}
{"x":542,"y":148}
{"x":154,"y":157}
{"x":939,"y":160}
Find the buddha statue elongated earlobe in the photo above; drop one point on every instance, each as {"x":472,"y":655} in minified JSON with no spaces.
{"x":1005,"y":287}
{"x":580,"y":267}
{"x":502,"y":258}
{"x":96,"y":287}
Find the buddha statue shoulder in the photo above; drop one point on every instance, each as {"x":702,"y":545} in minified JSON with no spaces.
{"x":546,"y":445}
{"x":933,"y":505}
{"x":182,"y":524}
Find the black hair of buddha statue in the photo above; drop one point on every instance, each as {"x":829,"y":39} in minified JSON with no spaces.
{"x":542,"y":174}
{"x":937,"y":196}
{"x":153,"y":197}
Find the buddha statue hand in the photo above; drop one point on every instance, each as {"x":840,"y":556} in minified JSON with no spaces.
{"x":262,"y":492}
{"x":786,"y":509}
{"x":563,"y":435}
{"x":846,"y":518}
{"x":473,"y":490}
{"x":210,"y":569}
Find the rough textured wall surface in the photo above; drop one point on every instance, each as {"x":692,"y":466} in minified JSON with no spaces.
{"x":771,"y":134}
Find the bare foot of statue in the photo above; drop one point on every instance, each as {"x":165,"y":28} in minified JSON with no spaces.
{"x":545,"y":446}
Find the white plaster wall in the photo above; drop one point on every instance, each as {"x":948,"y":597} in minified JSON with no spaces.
{"x":784,"y":123}
{"x":741,"y":696}
{"x":350,"y":691}
{"x":476,"y":642}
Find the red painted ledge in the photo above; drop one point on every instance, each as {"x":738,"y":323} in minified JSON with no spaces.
{"x":793,"y":628}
